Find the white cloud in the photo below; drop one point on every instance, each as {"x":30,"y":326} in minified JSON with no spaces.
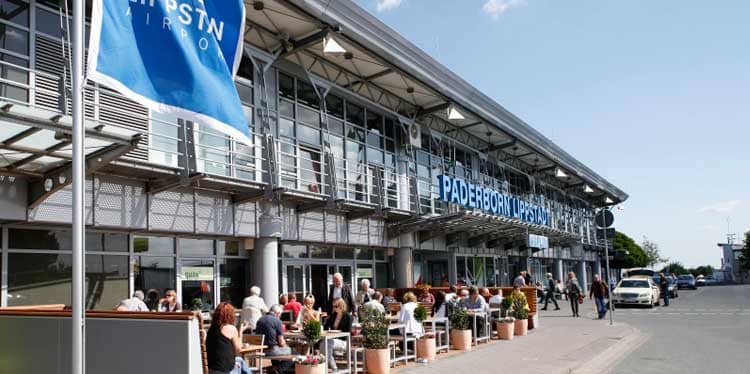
{"x":721,"y":207}
{"x":383,"y":5}
{"x":497,"y":7}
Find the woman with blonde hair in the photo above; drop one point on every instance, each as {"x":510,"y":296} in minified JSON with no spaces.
{"x":338,"y":320}
{"x":307,"y":313}
{"x":411,"y":325}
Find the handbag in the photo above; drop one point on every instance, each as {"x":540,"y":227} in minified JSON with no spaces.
{"x":580,"y":299}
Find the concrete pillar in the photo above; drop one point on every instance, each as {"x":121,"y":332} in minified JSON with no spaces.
{"x":558,"y":270}
{"x":581,"y":274}
{"x":403,"y":265}
{"x":266,"y":255}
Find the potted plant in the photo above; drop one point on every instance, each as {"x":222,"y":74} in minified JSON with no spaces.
{"x":375,"y":333}
{"x":311,"y":330}
{"x":460,"y":328}
{"x":521,"y":313}
{"x":505,"y":328}
{"x":505,"y":306}
{"x":426,"y":347}
{"x":310,"y":364}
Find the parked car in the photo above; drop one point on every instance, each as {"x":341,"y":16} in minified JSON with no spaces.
{"x":710,"y":281}
{"x":636,"y":291}
{"x":686,"y":281}
{"x":671,"y":285}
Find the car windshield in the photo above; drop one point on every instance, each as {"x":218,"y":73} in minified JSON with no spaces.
{"x":634,"y":284}
{"x":685,"y":277}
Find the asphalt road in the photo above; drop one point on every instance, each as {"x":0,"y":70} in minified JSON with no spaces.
{"x":703,"y":331}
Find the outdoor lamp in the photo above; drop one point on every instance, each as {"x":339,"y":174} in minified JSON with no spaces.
{"x":560,"y":173}
{"x":588,"y":189}
{"x":330,"y":45}
{"x":454,"y":114}
{"x":607,"y":200}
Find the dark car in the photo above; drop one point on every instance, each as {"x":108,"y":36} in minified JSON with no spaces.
{"x":686,"y":281}
{"x":671,"y":286}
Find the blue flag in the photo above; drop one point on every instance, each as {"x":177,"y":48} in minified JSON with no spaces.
{"x":173,"y":56}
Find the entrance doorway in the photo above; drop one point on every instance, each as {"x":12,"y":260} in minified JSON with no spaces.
{"x":197,"y":284}
{"x":316,"y":279}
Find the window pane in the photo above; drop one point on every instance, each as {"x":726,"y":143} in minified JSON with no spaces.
{"x":229,"y":248}
{"x":195,"y":247}
{"x":286,"y":86}
{"x":308,"y":135}
{"x":335,"y":126}
{"x":154,"y":273}
{"x":309,"y":116}
{"x":246,"y":68}
{"x":306,"y":94}
{"x":310,"y":171}
{"x":106,"y":242}
{"x":363,"y":253}
{"x":164,"y":139}
{"x":38,"y":279}
{"x":344,"y":253}
{"x":15,"y":39}
{"x":198,"y":290}
{"x":390,"y":128}
{"x":153,"y":245}
{"x":374,"y":123}
{"x":234,"y":277}
{"x":380,"y":255}
{"x":374,"y":155}
{"x":106,"y":280}
{"x":245,"y":92}
{"x":286,"y":128}
{"x":321,"y":252}
{"x":15,"y":11}
{"x":383,"y":275}
{"x":286,"y":108}
{"x":335,"y":106}
{"x":48,"y":22}
{"x":355,"y":114}
{"x":39,"y":239}
{"x":295,"y":251}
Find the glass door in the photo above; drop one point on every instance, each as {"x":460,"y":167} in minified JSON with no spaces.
{"x":197,"y":284}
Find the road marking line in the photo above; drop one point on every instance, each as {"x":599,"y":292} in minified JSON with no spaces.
{"x":726,"y":314}
{"x":691,"y":314}
{"x":708,"y":314}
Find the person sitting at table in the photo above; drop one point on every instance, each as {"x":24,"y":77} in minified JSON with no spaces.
{"x":411,"y":325}
{"x":463,"y":294}
{"x":293,"y":305}
{"x":388,"y":297}
{"x":476,"y":301}
{"x":224,"y":342}
{"x":152,"y":300}
{"x":283,"y":300}
{"x":133,"y":304}
{"x":373,"y":306}
{"x":452,"y":293}
{"x":340,"y":320}
{"x":364,"y":295}
{"x":271,"y":328}
{"x":497,"y":299}
{"x":169,"y":302}
{"x":485,"y":292}
{"x":439,"y":307}
{"x":307,"y":313}
{"x":425,"y":296}
{"x":253,"y":307}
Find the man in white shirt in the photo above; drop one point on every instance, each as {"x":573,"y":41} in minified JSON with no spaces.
{"x":497,"y":298}
{"x":133,"y":304}
{"x":253,"y":307}
{"x":340,"y":290}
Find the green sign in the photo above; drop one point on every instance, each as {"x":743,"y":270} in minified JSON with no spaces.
{"x":197,"y":273}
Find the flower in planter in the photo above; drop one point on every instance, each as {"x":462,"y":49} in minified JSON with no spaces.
{"x":312,"y":360}
{"x":311,"y":330}
{"x":508,"y":319}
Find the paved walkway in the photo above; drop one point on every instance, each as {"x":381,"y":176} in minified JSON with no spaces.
{"x":562,"y":344}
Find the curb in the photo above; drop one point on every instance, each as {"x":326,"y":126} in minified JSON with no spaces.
{"x":606,"y":361}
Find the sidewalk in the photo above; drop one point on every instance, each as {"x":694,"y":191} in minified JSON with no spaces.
{"x":562,"y":344}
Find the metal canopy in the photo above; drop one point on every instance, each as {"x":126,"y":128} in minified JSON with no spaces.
{"x":37,"y":143}
{"x":383,"y":67}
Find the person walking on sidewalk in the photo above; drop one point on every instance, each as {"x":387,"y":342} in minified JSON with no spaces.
{"x":574,"y":292}
{"x":599,"y":292}
{"x":664,"y":286}
{"x":550,"y":293}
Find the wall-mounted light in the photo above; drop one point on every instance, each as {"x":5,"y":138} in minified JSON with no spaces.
{"x":560,"y":173}
{"x":330,"y":45}
{"x":607,"y":200}
{"x":454,"y":114}
{"x":588,"y":189}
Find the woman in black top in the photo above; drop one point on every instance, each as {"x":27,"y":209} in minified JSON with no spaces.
{"x":338,"y":320}
{"x":224,"y":342}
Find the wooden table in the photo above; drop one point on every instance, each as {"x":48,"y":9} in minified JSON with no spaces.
{"x":250,"y":348}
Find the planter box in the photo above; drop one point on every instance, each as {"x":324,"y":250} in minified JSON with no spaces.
{"x":310,"y":369}
{"x":521,"y":327}
{"x":461,"y":339}
{"x":426,"y":348}
{"x":378,"y":361}
{"x":505,"y":330}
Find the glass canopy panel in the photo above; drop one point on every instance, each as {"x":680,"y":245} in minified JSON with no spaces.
{"x":43,"y":164}
{"x":8,"y":157}
{"x":8,"y":130}
{"x":40,"y":140}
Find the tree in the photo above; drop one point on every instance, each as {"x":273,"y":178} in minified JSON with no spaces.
{"x":634,"y":255}
{"x":744,"y":260}
{"x":674,"y":267}
{"x":705,"y":270}
{"x":651,"y":249}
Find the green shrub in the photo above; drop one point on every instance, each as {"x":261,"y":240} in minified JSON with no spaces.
{"x":521,"y":314}
{"x":460,"y":320}
{"x":311,"y":330}
{"x":375,"y":329}
{"x":420,"y":313}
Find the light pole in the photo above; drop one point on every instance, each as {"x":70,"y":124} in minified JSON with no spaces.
{"x":605,"y":220}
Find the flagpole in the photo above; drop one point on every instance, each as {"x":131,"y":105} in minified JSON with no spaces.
{"x":77,"y":315}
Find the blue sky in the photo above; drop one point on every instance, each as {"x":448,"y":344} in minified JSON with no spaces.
{"x":653,"y":95}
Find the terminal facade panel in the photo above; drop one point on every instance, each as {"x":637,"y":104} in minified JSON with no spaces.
{"x":351,"y":152}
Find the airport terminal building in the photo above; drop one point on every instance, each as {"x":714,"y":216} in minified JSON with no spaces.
{"x":369,"y":158}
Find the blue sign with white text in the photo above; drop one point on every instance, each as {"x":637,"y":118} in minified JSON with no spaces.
{"x":469,"y":195}
{"x":173,"y":56}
